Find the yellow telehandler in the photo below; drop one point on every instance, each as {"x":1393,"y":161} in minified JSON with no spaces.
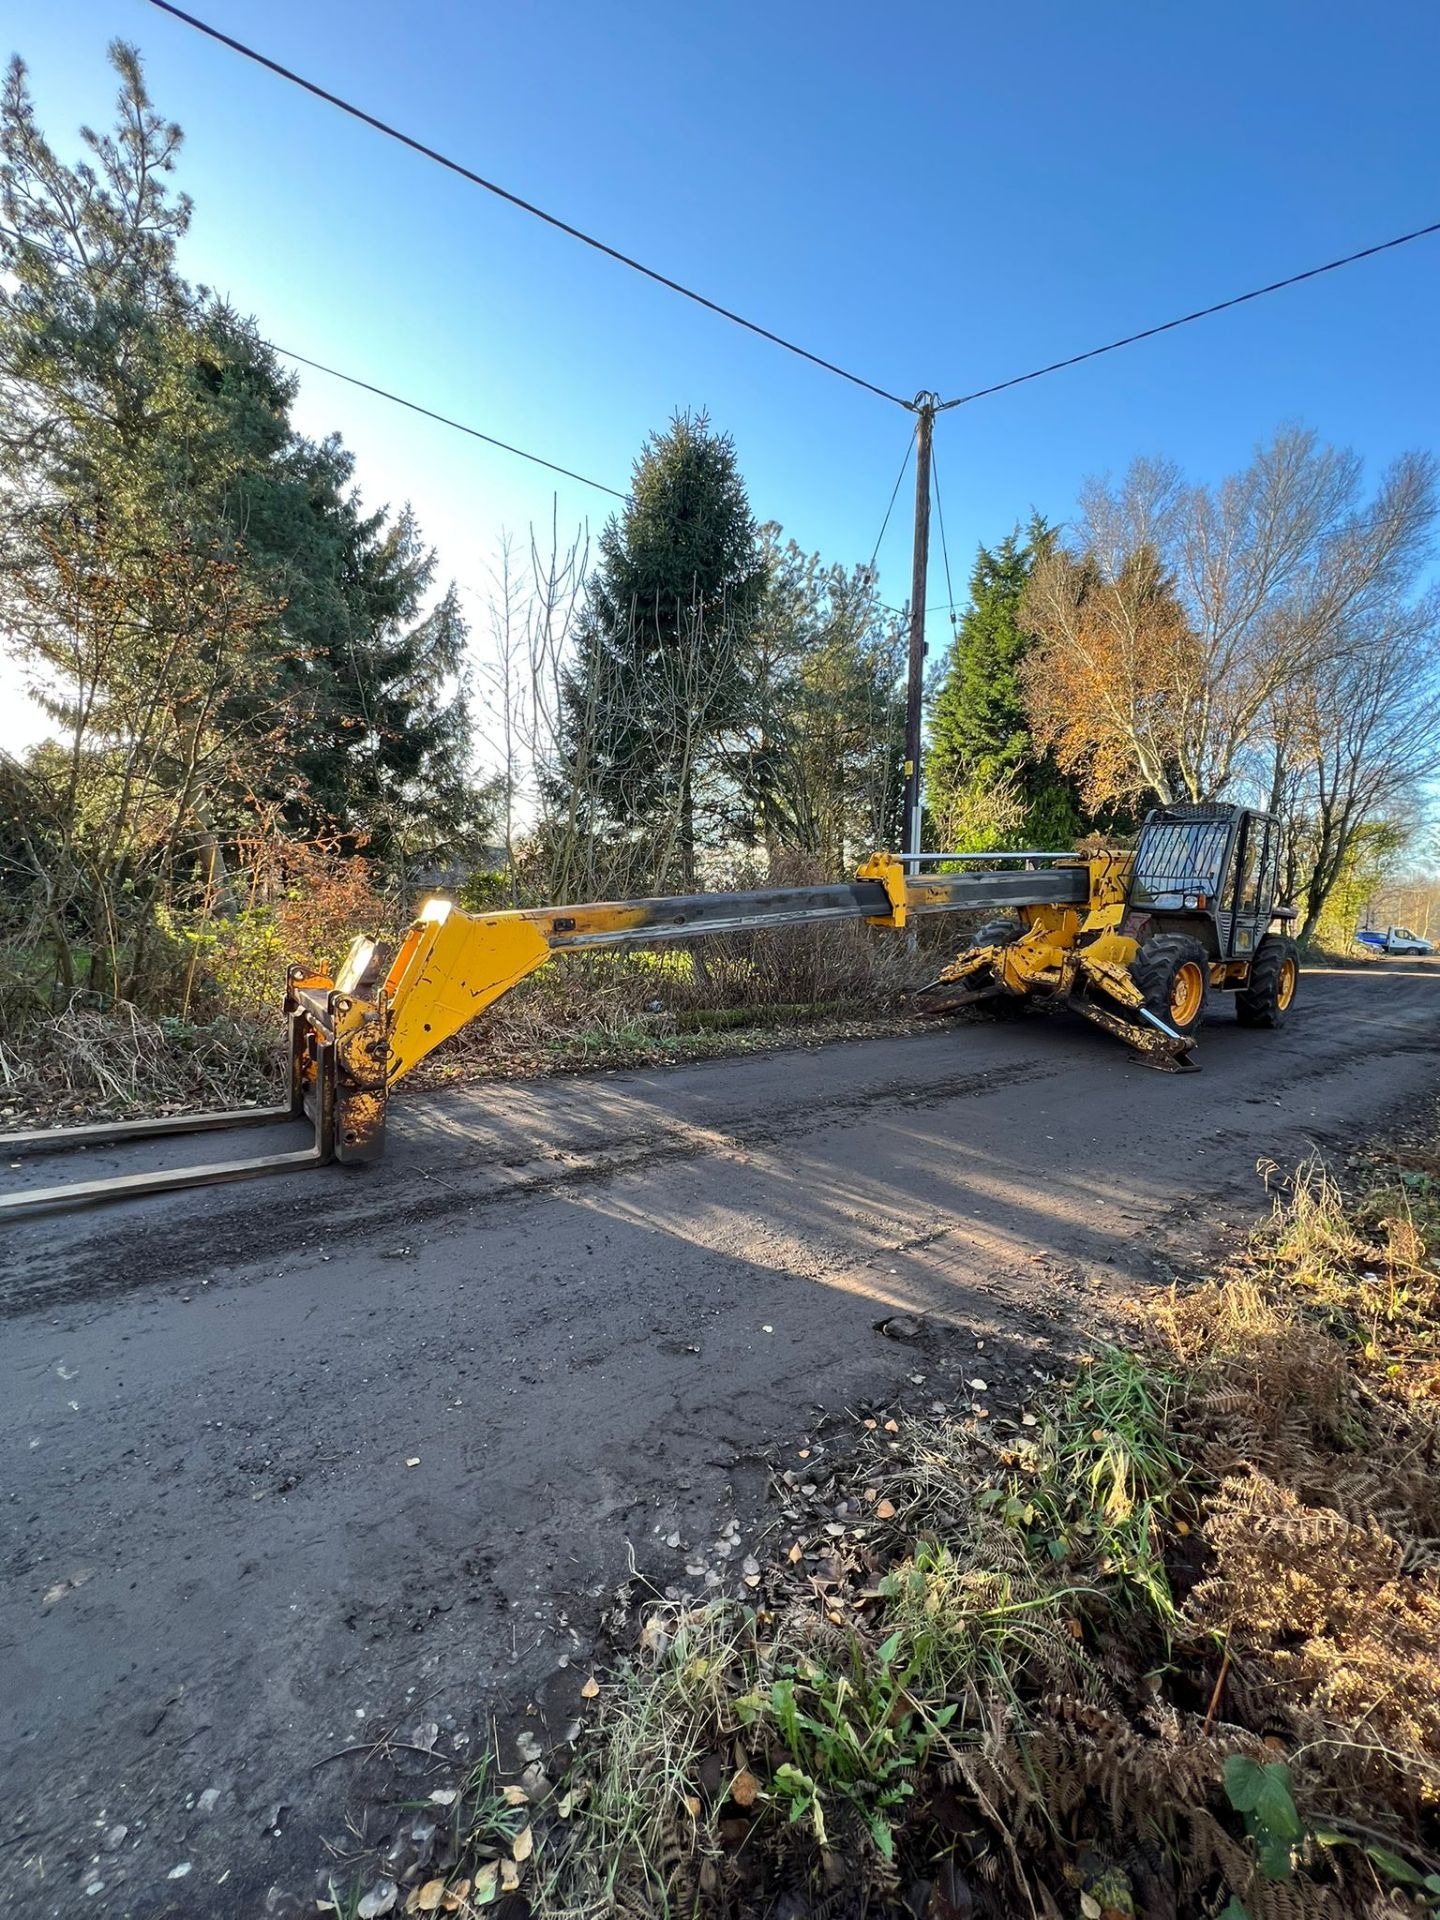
{"x":1192,"y":910}
{"x":1132,"y":940}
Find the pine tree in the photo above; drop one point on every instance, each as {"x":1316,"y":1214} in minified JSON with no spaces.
{"x":210,"y":615}
{"x":986,"y":784}
{"x":658,"y":675}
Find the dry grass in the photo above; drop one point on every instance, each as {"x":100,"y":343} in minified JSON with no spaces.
{"x":83,"y":1063}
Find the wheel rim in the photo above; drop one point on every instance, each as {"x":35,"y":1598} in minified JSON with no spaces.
{"x":1187,"y":990}
{"x":1285,"y":986}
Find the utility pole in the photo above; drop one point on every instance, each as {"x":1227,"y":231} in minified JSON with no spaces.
{"x":925,"y":406}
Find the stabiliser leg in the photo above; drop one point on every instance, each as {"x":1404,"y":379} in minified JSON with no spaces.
{"x":1152,"y":1042}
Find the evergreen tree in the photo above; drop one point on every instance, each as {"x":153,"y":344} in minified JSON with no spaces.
{"x":985,"y":782}
{"x":658,"y":675}
{"x":209,"y":615}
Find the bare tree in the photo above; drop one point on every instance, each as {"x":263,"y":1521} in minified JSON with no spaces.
{"x":1366,"y":735}
{"x":1177,"y":622}
{"x":534,"y":605}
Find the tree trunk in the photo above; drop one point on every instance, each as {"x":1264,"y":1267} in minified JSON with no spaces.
{"x":687,"y":832}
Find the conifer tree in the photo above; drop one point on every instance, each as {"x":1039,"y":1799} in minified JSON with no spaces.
{"x":658,"y":676}
{"x":986,"y":784}
{"x":193,"y":589}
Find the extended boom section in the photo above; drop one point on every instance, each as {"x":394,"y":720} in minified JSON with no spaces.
{"x":454,"y":965}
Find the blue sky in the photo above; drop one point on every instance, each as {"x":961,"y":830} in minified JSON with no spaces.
{"x":937,"y":196}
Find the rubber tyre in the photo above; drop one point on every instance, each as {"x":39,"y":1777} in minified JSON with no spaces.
{"x":1003,"y":1006}
{"x":998,"y":933}
{"x":1163,"y":968}
{"x":1263,"y":1000}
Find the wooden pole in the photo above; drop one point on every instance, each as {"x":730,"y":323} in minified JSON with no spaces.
{"x":925,"y":405}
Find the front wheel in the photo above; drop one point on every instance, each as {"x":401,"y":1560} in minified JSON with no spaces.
{"x":1003,"y":1005}
{"x":1269,"y":992}
{"x":1173,"y":973}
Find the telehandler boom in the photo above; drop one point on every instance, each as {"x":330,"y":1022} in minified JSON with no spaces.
{"x":1131,"y":940}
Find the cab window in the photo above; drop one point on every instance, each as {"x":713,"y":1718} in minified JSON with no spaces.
{"x":1177,"y":857}
{"x":1254,"y":889}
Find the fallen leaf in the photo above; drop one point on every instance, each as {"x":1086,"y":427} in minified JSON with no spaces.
{"x":884,"y":1510}
{"x":796,"y":1554}
{"x":565,"y":1806}
{"x":804,"y":1453}
{"x":871,"y":1425}
{"x":70,"y":1584}
{"x":487,"y":1884}
{"x":692,"y":1805}
{"x":653,"y":1637}
{"x":509,"y":1876}
{"x":430,"y":1896}
{"x":744,"y":1788}
{"x":978,"y":1386}
{"x":892,"y":1426}
{"x":591,"y":1689}
{"x":1028,"y":1420}
{"x":523,"y":1845}
{"x":444,"y":1797}
{"x":1090,"y":1906}
{"x":515,"y":1796}
{"x":872,"y":1493}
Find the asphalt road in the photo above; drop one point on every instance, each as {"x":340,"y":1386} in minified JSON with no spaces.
{"x":294,"y":1464}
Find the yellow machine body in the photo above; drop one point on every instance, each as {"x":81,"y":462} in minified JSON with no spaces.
{"x":1076,"y":954}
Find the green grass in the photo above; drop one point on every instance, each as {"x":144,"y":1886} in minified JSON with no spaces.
{"x":1111,"y":1472}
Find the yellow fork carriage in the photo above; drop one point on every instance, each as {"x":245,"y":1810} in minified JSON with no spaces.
{"x":1120,"y":937}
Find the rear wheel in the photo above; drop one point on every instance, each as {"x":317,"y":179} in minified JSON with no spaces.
{"x":1268,"y":994}
{"x":1173,"y":973}
{"x":998,"y":1006}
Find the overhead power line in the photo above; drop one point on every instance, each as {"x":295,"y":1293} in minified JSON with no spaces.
{"x":894,"y":496}
{"x":940,"y":515}
{"x":1201,"y":313}
{"x":382,"y":393}
{"x":444,"y":420}
{"x":515,"y":200}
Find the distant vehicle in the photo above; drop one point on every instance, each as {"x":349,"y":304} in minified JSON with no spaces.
{"x":1394,"y":940}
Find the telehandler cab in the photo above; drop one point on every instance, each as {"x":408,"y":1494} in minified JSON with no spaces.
{"x":1132,"y":940}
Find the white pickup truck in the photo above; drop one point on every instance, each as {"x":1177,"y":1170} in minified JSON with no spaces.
{"x":1394,"y":940}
